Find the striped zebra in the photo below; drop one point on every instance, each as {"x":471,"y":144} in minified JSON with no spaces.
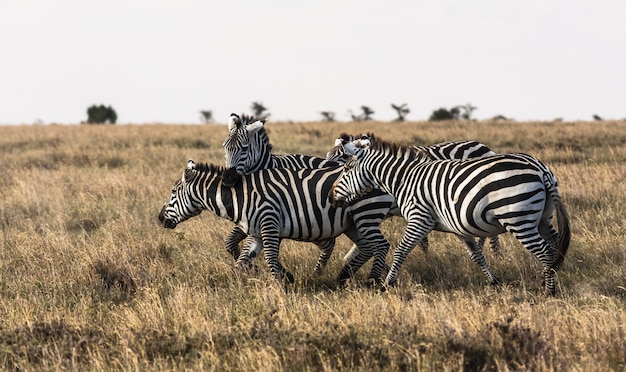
{"x":461,"y":150}
{"x":248,"y":149}
{"x":473,"y":198}
{"x":268,"y":206}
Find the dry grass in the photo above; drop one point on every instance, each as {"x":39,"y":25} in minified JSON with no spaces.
{"x":88,"y":280}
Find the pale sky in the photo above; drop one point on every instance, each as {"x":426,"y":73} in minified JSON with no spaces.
{"x":164,"y":61}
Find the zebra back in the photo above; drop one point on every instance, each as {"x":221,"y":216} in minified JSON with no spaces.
{"x":460,"y":150}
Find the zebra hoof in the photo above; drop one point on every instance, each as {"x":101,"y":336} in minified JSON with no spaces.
{"x":245,"y":267}
{"x":342,"y":283}
{"x":344,"y":276}
{"x":374,"y":283}
{"x":495,"y":282}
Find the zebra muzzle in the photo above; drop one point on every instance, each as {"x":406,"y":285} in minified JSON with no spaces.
{"x":336,"y":203}
{"x":169,"y":224}
{"x":166,"y":222}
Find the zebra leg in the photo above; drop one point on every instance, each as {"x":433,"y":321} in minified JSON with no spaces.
{"x":495,"y":245}
{"x":364,"y":253}
{"x":416,"y":229}
{"x":251,"y":248}
{"x":353,"y":252}
{"x":551,"y":237}
{"x":424,"y":244}
{"x":271,"y":245}
{"x":232,"y":241}
{"x":476,"y":254}
{"x":326,"y":249}
{"x":543,"y":249}
{"x":370,"y":242}
{"x":480,"y":243}
{"x":367,"y":215}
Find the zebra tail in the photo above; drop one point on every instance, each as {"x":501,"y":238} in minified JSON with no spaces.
{"x":563,"y":221}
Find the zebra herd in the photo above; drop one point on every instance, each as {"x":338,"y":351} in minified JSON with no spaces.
{"x":461,"y":187}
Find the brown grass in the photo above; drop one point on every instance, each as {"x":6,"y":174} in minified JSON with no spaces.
{"x":89,"y":280}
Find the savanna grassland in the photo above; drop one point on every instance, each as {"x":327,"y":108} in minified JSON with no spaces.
{"x":90,"y":281}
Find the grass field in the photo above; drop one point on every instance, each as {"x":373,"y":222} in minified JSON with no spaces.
{"x":89,"y":280}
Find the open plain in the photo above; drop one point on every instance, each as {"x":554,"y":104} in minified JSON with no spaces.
{"x":89,"y":280}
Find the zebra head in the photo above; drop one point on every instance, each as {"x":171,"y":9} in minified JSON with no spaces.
{"x":354,"y":181}
{"x":245,"y":146}
{"x":181,"y":206}
{"x":339,"y":154}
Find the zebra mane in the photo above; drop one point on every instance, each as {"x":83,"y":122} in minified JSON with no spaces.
{"x":243,"y":120}
{"x":346,"y":137}
{"x":393,"y":148}
{"x":248,"y":119}
{"x":209,"y":168}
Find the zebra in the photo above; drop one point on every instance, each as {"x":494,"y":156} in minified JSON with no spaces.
{"x":248,"y":149}
{"x":268,"y":206}
{"x":473,"y":198}
{"x":461,"y":150}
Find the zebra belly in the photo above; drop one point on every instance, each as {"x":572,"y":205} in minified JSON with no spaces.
{"x":325,"y":225}
{"x":328,"y":224}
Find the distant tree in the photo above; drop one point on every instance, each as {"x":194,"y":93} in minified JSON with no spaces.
{"x":259,"y":111}
{"x":367,"y":113}
{"x":328,"y":116}
{"x":462,"y":112}
{"x":443,"y":114}
{"x":468,"y":109}
{"x":401,"y":111}
{"x":206,"y":116}
{"x":101,"y":115}
{"x":500,"y":118}
{"x":597,"y":117}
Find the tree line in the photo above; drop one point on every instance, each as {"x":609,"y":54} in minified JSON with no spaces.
{"x":101,"y":114}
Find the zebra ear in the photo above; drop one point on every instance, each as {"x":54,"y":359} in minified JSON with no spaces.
{"x":338,"y":142}
{"x":188,"y":173}
{"x":254,"y":127}
{"x":233,"y":122}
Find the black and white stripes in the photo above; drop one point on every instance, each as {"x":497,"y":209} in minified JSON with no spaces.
{"x":267,"y":205}
{"x":248,"y":150}
{"x":473,"y":198}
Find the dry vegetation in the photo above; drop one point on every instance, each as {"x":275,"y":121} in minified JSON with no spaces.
{"x":89,"y":280}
